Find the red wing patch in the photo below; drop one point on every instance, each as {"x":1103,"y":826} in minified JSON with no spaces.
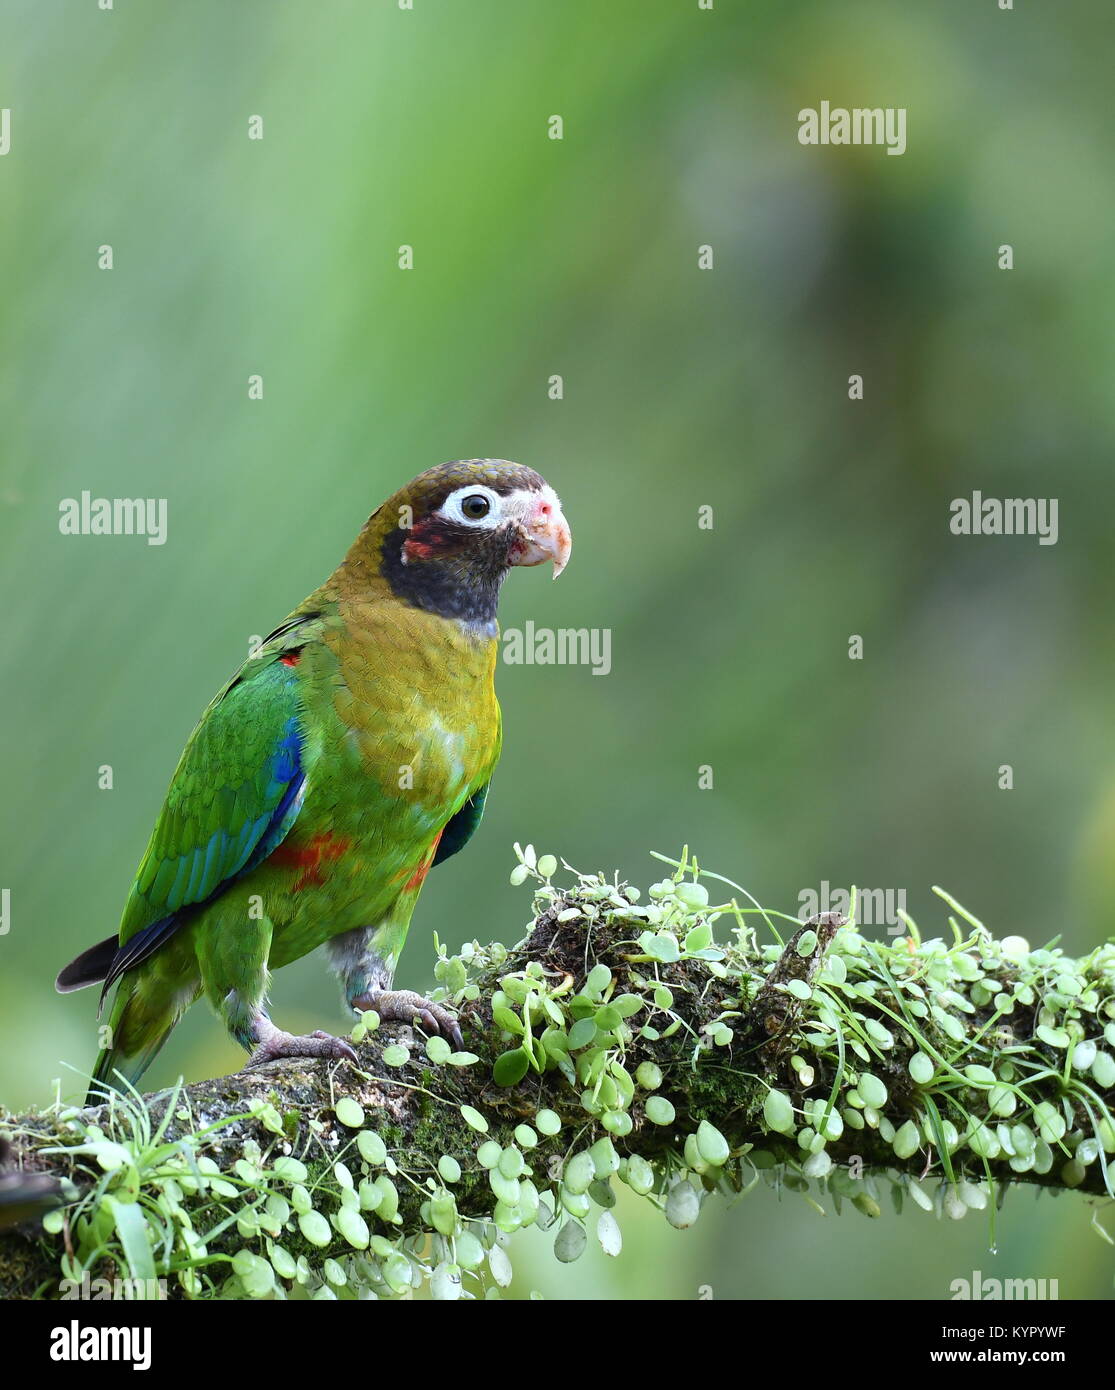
{"x":309,"y":858}
{"x":291,"y":658}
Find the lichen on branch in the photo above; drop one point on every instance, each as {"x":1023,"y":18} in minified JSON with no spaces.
{"x":677,"y":1045}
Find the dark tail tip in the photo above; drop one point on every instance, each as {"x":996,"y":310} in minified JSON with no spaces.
{"x":90,"y":968}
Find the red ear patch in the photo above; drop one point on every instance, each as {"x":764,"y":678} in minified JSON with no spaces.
{"x":426,"y":538}
{"x":418,"y":550}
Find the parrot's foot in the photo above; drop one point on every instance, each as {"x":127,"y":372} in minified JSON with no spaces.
{"x":273,"y":1043}
{"x":404,"y":1006}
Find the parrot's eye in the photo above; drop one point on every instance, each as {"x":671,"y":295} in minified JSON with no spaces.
{"x":473,"y":505}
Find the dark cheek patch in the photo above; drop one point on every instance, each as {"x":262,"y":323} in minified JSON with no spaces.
{"x":454,"y":571}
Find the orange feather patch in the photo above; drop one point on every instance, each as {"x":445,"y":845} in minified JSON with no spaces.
{"x":418,"y":875}
{"x":309,"y":858}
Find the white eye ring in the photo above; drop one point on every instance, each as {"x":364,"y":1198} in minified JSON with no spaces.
{"x":453,"y":506}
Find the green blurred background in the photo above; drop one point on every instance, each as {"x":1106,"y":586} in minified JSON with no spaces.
{"x":683,"y":388}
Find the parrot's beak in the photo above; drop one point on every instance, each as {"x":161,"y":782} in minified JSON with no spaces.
{"x":544,"y":534}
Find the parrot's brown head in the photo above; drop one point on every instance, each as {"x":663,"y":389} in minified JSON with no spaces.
{"x":448,"y":539}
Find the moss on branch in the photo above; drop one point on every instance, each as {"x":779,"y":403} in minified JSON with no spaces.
{"x":659,"y":1044}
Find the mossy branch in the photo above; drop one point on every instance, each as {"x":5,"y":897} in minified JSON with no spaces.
{"x":660,"y":1045}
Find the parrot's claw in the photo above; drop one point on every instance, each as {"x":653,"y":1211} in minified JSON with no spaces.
{"x":274,"y":1043}
{"x":404,"y":1006}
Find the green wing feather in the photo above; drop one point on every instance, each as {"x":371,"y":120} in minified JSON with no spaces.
{"x":234,"y":795}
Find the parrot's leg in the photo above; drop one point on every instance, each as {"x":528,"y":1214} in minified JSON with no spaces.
{"x":234,"y":970}
{"x":405,"y":1006}
{"x":366,"y":975}
{"x":272,"y":1043}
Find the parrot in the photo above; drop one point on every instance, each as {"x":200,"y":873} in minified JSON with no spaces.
{"x":350,"y":753}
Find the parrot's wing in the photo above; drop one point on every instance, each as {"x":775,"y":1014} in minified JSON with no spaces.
{"x":460,"y":828}
{"x":235,"y":795}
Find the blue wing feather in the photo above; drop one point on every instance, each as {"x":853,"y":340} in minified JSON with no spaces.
{"x":193,"y":887}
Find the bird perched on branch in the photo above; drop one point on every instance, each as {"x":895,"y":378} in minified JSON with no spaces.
{"x":349,"y":754}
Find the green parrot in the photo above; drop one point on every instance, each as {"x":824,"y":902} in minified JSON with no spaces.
{"x":349,"y":754}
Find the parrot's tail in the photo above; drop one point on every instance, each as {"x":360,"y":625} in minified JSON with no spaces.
{"x":141,"y":1022}
{"x":90,"y":968}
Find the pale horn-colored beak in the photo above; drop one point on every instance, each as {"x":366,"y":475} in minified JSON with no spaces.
{"x":544,"y":535}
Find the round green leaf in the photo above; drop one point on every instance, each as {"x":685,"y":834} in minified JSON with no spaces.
{"x":350,"y":1112}
{"x":659,"y":1110}
{"x":511,"y":1067}
{"x":569,"y":1245}
{"x":579,"y":1172}
{"x":872,"y":1090}
{"x":648,"y":1075}
{"x":371,"y":1147}
{"x":692,"y":895}
{"x":921,"y":1068}
{"x":712,"y":1145}
{"x":683,"y":1206}
{"x":778,"y":1112}
{"x":315,"y":1228}
{"x":907,"y":1140}
{"x":353,"y":1227}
